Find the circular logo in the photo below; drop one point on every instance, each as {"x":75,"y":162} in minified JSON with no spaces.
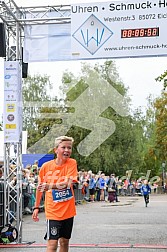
{"x":10,"y":117}
{"x":53,"y":231}
{"x":14,"y":234}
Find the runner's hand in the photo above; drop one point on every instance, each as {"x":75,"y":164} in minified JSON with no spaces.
{"x":42,"y":187}
{"x":35,"y":215}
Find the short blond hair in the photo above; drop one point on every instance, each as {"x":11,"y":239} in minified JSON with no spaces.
{"x":61,"y":139}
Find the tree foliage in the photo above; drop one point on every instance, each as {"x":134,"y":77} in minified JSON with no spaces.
{"x":161,"y":119}
{"x":35,"y":96}
{"x":163,"y":78}
{"x":121,"y":151}
{"x":131,"y":146}
{"x":161,"y":126}
{"x":150,"y":152}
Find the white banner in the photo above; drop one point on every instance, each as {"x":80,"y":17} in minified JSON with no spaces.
{"x":12,"y":116}
{"x":101,"y":30}
{"x":119,"y":29}
{"x":47,"y":42}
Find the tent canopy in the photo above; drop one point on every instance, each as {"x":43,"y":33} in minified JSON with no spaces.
{"x":31,"y":158}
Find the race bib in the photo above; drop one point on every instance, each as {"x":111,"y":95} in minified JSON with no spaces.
{"x":61,"y":195}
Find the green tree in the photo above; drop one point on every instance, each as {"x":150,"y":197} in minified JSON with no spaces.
{"x":163,"y":78}
{"x":36,"y":91}
{"x":120,"y":151}
{"x":161,"y":126}
{"x":125,"y":149}
{"x":161,"y":119}
{"x":150,"y":151}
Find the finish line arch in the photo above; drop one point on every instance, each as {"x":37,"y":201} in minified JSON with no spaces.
{"x":94,"y":31}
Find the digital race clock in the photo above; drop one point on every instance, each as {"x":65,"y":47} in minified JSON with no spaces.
{"x":140,"y":32}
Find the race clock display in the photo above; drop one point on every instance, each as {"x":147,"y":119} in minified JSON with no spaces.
{"x":140,"y":32}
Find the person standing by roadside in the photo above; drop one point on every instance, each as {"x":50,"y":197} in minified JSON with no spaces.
{"x":56,"y":179}
{"x":92,"y":185}
{"x":145,"y":191}
{"x":97,"y":189}
{"x":1,"y":173}
{"x":155,"y":186}
{"x":102,"y":186}
{"x":111,"y":188}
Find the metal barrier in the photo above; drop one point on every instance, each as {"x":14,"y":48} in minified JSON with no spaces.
{"x":32,"y":199}
{"x":78,"y":195}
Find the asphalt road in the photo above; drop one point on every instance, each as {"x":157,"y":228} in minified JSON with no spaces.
{"x":125,"y":226}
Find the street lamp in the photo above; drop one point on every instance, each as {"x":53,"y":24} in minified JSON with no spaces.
{"x":163,"y":173}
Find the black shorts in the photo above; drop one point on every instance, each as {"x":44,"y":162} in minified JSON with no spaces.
{"x":92,"y":191}
{"x":57,"y":229}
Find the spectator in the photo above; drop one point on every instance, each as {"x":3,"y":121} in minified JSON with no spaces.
{"x":26,"y":194}
{"x":97,"y":189}
{"x":32,"y":188}
{"x":92,"y":185}
{"x":85,"y":185}
{"x":155,"y":186}
{"x":35,"y":166}
{"x":102,"y":186}
{"x":111,"y":188}
{"x":1,"y":174}
{"x":35,"y":171}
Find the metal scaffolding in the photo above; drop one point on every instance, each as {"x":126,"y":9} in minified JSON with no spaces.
{"x":15,"y":18}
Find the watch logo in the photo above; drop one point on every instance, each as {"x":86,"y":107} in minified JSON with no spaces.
{"x":92,"y":34}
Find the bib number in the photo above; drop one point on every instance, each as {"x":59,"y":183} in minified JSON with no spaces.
{"x":62,"y":195}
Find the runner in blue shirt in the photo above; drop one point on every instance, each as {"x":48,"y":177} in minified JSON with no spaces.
{"x":145,"y":191}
